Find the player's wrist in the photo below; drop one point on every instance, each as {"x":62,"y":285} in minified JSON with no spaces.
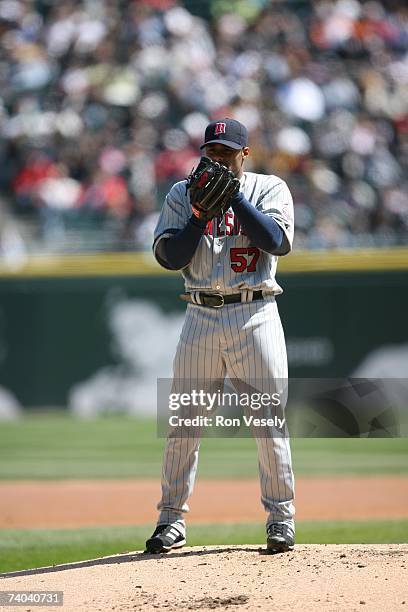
{"x":238,"y":199}
{"x":196,"y":221}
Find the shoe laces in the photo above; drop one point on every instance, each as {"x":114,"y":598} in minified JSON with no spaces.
{"x":276,"y":529}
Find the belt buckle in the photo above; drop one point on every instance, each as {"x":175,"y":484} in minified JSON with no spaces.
{"x":218,"y":295}
{"x":222,"y":300}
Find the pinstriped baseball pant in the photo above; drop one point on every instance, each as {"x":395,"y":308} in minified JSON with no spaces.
{"x":246,"y":342}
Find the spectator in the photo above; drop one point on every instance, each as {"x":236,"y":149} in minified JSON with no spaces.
{"x":103,"y":104}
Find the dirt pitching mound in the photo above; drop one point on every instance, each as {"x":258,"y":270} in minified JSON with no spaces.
{"x":313,"y":577}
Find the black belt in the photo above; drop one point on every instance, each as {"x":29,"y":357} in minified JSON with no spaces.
{"x":217,"y":300}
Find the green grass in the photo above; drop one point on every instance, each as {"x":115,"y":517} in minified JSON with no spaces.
{"x":56,"y":445}
{"x":28,"y":548}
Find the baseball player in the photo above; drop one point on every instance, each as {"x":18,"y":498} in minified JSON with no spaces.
{"x":228,"y":258}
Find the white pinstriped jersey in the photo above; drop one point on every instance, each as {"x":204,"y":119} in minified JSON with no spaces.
{"x":225,"y":261}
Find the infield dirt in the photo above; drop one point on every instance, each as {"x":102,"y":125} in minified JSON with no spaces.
{"x":335,"y":578}
{"x":82,"y":503}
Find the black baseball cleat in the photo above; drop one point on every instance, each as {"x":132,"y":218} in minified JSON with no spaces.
{"x":165,"y":538}
{"x":279,"y":538}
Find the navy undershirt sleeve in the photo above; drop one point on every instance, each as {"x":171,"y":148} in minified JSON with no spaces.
{"x":262,"y":230}
{"x":177,"y":251}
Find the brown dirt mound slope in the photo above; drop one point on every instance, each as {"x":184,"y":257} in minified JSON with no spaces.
{"x":81,"y":503}
{"x":333,"y":578}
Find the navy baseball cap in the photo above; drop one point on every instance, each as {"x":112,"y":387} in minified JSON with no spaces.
{"x":228,"y":132}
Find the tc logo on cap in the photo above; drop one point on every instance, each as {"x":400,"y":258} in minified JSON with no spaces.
{"x":220,"y":128}
{"x":228,"y":132}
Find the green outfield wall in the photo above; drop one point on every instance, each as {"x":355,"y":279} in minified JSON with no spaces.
{"x":56,"y":326}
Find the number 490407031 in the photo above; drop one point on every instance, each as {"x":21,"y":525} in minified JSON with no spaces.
{"x":244,"y":258}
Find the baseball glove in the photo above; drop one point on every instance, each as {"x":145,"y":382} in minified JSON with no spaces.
{"x":211,"y":188}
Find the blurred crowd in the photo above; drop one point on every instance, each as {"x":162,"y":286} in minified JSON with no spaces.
{"x":103,"y":106}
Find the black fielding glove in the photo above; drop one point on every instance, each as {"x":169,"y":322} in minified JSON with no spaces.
{"x":211,"y":187}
